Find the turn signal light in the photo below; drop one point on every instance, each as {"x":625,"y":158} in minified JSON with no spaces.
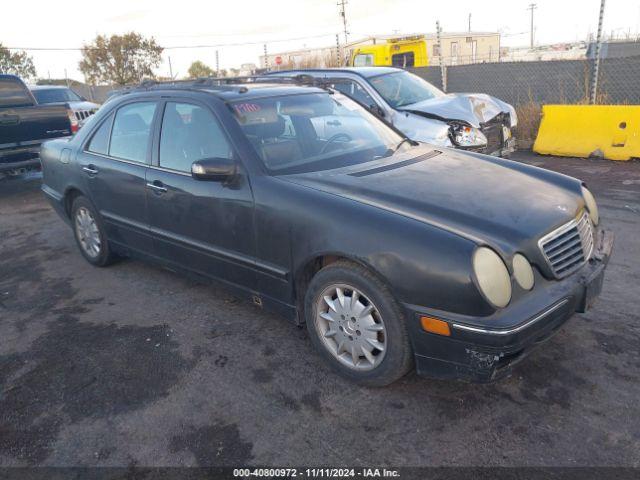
{"x":435,"y":325}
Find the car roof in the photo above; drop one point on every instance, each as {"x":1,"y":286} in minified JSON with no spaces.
{"x":365,"y":72}
{"x":229,"y":91}
{"x":9,"y":76}
{"x":48,"y":87}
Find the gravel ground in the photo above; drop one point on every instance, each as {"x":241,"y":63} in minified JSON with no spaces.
{"x":134,"y":365}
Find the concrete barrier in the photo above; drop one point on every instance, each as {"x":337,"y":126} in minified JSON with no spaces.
{"x":609,"y":131}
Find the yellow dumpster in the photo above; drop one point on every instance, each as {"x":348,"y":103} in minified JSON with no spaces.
{"x":609,"y":131}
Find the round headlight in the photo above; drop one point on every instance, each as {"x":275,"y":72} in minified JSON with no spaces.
{"x":492,"y":276}
{"x":591,"y":205}
{"x":522,"y":271}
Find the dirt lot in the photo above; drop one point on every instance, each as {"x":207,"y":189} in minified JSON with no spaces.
{"x":134,"y":365}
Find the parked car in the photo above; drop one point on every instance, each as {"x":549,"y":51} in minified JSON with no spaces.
{"x":59,"y":94}
{"x":24,"y":125}
{"x":469,"y":121}
{"x":392,"y":252}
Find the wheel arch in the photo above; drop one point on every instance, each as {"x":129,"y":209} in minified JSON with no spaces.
{"x":312,"y":265}
{"x":70,"y":194}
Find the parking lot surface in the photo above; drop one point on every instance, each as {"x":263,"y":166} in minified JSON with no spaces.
{"x":135,"y":365}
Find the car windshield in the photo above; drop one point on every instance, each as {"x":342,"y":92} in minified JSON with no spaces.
{"x":56,"y":95}
{"x":314,"y":131}
{"x":403,"y":88}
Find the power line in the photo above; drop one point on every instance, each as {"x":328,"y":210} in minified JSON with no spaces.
{"x":177,"y":47}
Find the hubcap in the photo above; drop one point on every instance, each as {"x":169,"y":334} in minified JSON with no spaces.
{"x":350,"y":327}
{"x":88,"y":233}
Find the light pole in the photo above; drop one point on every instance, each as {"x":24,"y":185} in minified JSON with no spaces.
{"x":343,"y":14}
{"x":596,"y":66}
{"x":532,"y":7}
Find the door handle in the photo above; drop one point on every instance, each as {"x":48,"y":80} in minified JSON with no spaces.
{"x":7,"y":119}
{"x":157,"y":186}
{"x":90,"y":169}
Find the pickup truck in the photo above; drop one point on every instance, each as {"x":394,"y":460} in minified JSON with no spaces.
{"x":25,"y":125}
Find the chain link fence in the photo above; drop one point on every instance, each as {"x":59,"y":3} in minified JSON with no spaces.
{"x":529,"y":85}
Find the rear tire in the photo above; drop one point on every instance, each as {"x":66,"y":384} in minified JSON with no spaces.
{"x":90,"y":234}
{"x":357,"y":326}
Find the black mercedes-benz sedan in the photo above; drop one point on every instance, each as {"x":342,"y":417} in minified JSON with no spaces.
{"x":392,"y":252}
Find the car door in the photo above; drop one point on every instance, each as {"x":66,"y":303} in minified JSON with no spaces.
{"x":114,"y":163}
{"x":205,"y":226}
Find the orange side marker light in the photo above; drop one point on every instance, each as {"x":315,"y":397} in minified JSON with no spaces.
{"x":434,"y":325}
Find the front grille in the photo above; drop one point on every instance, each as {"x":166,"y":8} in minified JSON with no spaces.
{"x":569,"y":246}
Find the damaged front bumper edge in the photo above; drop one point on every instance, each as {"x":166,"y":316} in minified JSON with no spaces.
{"x":478,"y":353}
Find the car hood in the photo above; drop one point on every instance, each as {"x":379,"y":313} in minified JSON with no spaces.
{"x":485,"y":199}
{"x":472,"y":108}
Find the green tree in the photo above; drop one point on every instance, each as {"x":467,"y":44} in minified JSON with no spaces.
{"x":120,"y":59}
{"x":18,"y":63}
{"x":200,"y":69}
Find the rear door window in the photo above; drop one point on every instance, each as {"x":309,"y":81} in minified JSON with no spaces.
{"x":13,"y":94}
{"x":131,"y":131}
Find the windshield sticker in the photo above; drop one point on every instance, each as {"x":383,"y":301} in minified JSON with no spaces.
{"x":247,"y":107}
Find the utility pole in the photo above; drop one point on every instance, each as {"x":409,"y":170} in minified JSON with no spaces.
{"x":266,"y":59}
{"x":469,"y":22}
{"x":596,"y":66}
{"x":532,"y":7}
{"x":338,"y":55}
{"x":343,"y":14}
{"x":217,"y":64}
{"x":443,"y":68}
{"x":170,"y":69}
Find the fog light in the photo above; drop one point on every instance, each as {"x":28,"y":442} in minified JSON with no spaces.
{"x":435,"y":325}
{"x":522,"y":271}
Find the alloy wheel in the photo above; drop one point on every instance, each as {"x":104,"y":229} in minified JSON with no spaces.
{"x":87,"y":231}
{"x":350,"y":327}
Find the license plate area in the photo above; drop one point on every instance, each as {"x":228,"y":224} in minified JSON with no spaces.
{"x":592,"y":290}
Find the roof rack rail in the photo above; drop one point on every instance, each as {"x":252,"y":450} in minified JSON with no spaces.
{"x":223,"y":83}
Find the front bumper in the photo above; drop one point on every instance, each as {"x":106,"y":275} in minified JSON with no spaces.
{"x":479,"y":353}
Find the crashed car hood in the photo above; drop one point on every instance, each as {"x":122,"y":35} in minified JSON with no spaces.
{"x":472,"y":108}
{"x":479,"y":197}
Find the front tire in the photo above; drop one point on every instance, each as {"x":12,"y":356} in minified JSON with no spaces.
{"x":90,"y":234}
{"x":357,"y":326}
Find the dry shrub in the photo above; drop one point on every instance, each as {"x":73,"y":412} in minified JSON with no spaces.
{"x":529,"y":116}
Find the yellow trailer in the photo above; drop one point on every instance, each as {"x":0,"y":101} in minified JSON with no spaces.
{"x":395,"y":52}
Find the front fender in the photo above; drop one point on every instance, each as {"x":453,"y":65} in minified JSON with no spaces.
{"x":422,"y":129}
{"x":422,"y":264}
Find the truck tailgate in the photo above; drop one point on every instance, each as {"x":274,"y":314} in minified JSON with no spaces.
{"x":32,"y":125}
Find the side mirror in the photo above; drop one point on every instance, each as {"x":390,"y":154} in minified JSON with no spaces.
{"x":216,"y":169}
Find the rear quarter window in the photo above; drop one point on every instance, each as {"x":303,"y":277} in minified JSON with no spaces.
{"x":13,"y":94}
{"x":99,"y":143}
